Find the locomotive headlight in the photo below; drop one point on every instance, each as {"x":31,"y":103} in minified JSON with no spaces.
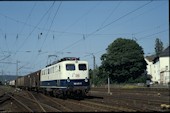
{"x":68,"y":79}
{"x":86,"y":80}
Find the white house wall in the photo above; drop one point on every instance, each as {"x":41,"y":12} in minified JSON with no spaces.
{"x":156,"y":72}
{"x":153,"y":70}
{"x":164,"y":61}
{"x":148,"y":69}
{"x":164,"y":68}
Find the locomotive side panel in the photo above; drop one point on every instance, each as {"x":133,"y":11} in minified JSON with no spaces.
{"x":50,"y":76}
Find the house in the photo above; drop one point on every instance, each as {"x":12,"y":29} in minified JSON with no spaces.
{"x":152,"y":68}
{"x":165,"y":66}
{"x":159,"y":67}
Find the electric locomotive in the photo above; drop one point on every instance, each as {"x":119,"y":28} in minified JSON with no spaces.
{"x":68,"y":76}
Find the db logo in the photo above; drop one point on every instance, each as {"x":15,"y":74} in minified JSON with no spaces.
{"x":77,"y":75}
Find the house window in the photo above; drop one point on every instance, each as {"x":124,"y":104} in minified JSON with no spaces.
{"x":166,"y":67}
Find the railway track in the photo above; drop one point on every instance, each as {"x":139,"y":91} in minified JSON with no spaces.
{"x":50,"y":101}
{"x":98,"y":101}
{"x":145,"y":98}
{"x":137,"y":101}
{"x":32,"y":96}
{"x":65,"y":105}
{"x":144,"y":91}
{"x":35,"y":104}
{"x":88,"y":106}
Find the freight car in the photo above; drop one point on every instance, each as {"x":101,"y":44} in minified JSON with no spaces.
{"x":34,"y":80}
{"x":23,"y":82}
{"x":12,"y":83}
{"x":68,"y":76}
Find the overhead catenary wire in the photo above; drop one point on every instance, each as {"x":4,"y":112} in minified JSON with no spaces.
{"x":24,"y":24}
{"x":73,"y":33}
{"x":40,"y":37}
{"x":140,"y":14}
{"x":144,"y":37}
{"x":112,"y":12}
{"x":49,"y":29}
{"x":80,"y":18}
{"x":35,"y":27}
{"x":51,"y":24}
{"x":39,"y":28}
{"x":99,"y":29}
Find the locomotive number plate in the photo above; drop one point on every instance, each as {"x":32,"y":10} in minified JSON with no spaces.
{"x":77,"y":83}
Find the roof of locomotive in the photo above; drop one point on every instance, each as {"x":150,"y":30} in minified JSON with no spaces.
{"x":64,"y":59}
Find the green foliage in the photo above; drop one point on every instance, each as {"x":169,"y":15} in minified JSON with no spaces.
{"x":141,"y":79}
{"x":123,"y":62}
{"x":97,"y":77}
{"x":158,"y":46}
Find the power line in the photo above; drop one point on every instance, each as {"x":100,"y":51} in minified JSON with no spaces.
{"x":153,"y":34}
{"x":111,"y":13}
{"x":109,"y":24}
{"x":77,"y":20}
{"x":149,"y":29}
{"x":5,"y":57}
{"x":152,"y":8}
{"x":29,"y":15}
{"x":39,"y":28}
{"x":51,"y":23}
{"x":33,"y":28}
{"x":49,"y":29}
{"x":36,"y":26}
{"x":121,"y":17}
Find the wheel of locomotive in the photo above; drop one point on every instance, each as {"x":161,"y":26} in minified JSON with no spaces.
{"x":83,"y":94}
{"x":77,"y":94}
{"x":44,"y":91}
{"x":64,"y":94}
{"x":55,"y":93}
{"x":37,"y":90}
{"x":59,"y":94}
{"x":49,"y":93}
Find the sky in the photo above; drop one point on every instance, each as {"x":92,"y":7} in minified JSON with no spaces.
{"x":35,"y":33}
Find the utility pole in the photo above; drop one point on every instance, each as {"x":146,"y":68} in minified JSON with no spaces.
{"x":108,"y":85}
{"x":2,"y":75}
{"x":94,"y":67}
{"x":94,"y":63}
{"x":16,"y":73}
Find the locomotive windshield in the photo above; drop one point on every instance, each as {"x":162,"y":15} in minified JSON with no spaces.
{"x":82,"y":67}
{"x":70,"y":67}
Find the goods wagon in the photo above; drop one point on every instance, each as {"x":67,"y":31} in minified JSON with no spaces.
{"x":34,"y":79}
{"x":12,"y":83}
{"x":23,"y":82}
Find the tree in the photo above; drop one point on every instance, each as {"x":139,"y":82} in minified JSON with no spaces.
{"x":123,"y":60}
{"x":158,"y":46}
